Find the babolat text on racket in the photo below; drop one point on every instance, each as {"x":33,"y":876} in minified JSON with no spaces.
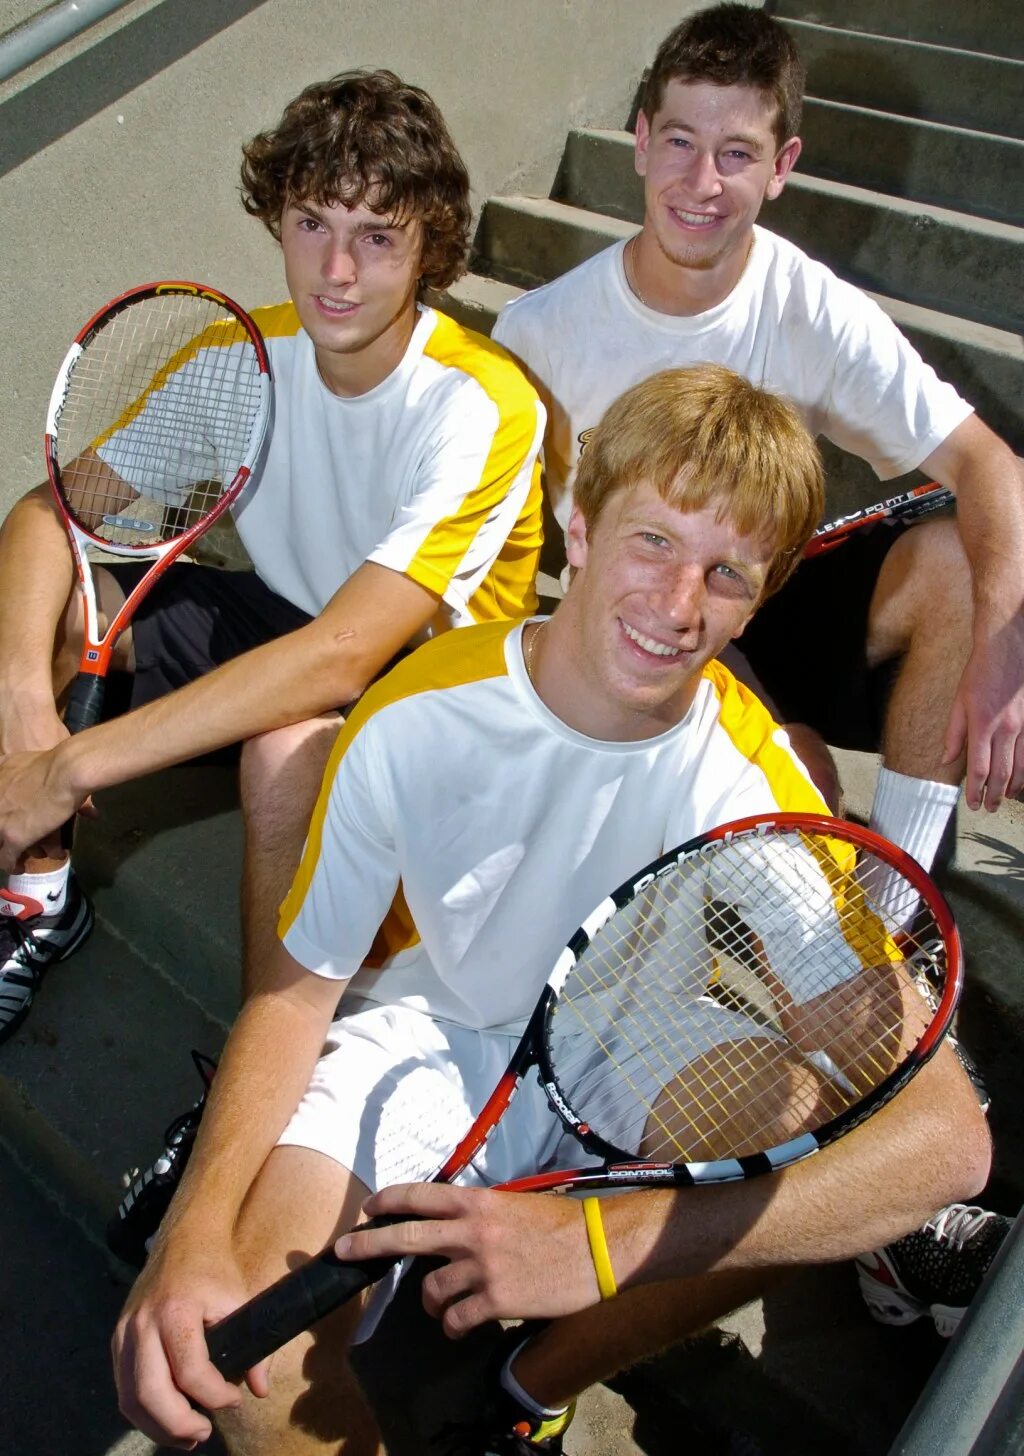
{"x":740,"y":1003}
{"x":155,"y":423}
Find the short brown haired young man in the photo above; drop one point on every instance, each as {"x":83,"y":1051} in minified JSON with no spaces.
{"x":397,"y":497}
{"x":698,"y":493}
{"x":716,"y":137}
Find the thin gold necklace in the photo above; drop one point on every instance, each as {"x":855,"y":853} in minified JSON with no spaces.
{"x":530,"y":648}
{"x":630,"y":270}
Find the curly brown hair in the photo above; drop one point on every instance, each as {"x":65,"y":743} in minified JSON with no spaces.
{"x":366,"y":136}
{"x":732,"y":45}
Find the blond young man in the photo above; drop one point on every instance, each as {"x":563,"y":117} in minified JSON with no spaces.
{"x":484,"y":770}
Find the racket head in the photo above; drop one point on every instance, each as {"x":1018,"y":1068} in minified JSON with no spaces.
{"x":156,"y":418}
{"x":745,"y":1000}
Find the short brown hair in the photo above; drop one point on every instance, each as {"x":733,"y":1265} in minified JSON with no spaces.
{"x":732,"y":45}
{"x":366,"y":136}
{"x":706,"y":436}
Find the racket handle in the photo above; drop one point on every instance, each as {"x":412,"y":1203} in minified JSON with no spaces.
{"x":85,"y":702}
{"x":287,"y":1308}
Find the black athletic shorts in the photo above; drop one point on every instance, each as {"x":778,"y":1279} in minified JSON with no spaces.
{"x":195,"y":618}
{"x":807,"y":644}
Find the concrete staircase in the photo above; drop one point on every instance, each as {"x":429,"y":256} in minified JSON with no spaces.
{"x":931,"y":220}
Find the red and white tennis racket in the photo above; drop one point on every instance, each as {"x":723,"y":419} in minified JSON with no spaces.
{"x":912,"y":505}
{"x":155,"y":423}
{"x":737,"y":1005}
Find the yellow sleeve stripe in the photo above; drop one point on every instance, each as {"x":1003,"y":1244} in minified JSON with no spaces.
{"x":471,"y":654}
{"x":455,"y":347}
{"x":276,"y":320}
{"x":751,"y":729}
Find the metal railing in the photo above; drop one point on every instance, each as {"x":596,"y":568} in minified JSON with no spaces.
{"x":49,"y":29}
{"x":973,"y":1405}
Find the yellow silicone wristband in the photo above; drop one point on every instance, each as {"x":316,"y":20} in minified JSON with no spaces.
{"x":599,"y":1249}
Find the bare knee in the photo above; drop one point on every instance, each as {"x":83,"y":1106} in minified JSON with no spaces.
{"x":285,"y":759}
{"x":925,"y":579}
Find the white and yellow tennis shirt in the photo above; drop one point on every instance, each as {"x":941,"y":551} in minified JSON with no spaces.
{"x":463,"y":831}
{"x":433,"y":473}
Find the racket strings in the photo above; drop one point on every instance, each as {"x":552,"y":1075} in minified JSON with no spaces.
{"x":160,"y":411}
{"x":740,"y":999}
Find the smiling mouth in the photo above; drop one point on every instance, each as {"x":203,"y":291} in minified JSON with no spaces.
{"x":334,"y":305}
{"x":656,"y":649}
{"x":694,"y":219}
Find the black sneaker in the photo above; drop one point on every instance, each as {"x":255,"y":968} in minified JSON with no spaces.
{"x":503,"y":1427}
{"x":29,"y":947}
{"x":131,"y":1230}
{"x":934,"y":1271}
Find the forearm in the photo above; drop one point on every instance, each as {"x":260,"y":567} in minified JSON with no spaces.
{"x":37,"y":576}
{"x":264,"y":1070}
{"x":294,"y":678}
{"x":929,"y":1147}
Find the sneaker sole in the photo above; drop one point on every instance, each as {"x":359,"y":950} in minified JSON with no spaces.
{"x":889,"y":1306}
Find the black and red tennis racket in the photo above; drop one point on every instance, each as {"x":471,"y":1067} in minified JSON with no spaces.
{"x":912,"y":505}
{"x":155,"y":423}
{"x":737,"y":1005}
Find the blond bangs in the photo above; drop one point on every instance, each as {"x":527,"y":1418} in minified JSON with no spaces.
{"x":705,"y":435}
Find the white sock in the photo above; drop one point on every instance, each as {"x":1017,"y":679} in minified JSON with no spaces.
{"x":510,"y":1385}
{"x":49,"y":890}
{"x":913,"y":813}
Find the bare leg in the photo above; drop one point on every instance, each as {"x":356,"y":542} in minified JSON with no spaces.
{"x":578,"y":1351}
{"x":281,"y":776}
{"x":921,"y":611}
{"x":300,"y":1201}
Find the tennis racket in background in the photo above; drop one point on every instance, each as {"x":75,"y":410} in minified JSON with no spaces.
{"x":740,"y":1003}
{"x":912,"y":505}
{"x":155,"y":423}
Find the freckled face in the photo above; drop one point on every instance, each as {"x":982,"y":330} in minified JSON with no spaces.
{"x":658,"y":592}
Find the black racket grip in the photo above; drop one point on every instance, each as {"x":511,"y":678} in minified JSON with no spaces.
{"x":83,"y":709}
{"x":295,"y":1302}
{"x":85,"y":702}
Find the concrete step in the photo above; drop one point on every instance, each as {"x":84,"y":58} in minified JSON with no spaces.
{"x":985,"y":25}
{"x":99,"y":1070}
{"x":957,"y":87}
{"x":928,"y":255}
{"x":140,"y":862}
{"x":952,"y":167}
{"x":526,"y":241}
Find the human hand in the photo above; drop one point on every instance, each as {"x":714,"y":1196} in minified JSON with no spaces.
{"x":510,"y":1255}
{"x":987,"y":717}
{"x":159,"y":1346}
{"x":36,"y":798}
